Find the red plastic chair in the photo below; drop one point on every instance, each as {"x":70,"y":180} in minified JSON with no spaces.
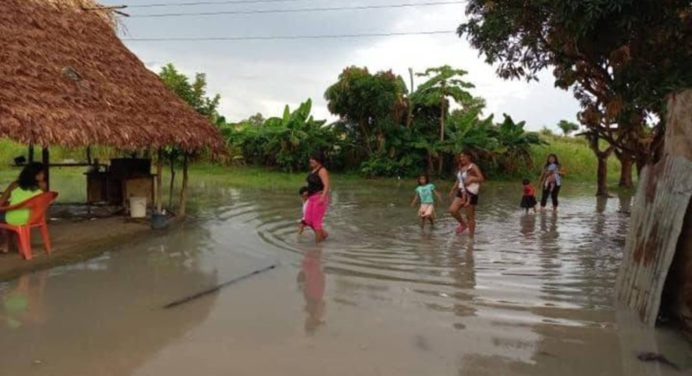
{"x":38,"y":206}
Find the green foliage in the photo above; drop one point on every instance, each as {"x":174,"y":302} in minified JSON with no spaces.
{"x":567,"y":127}
{"x":370,"y":103}
{"x":620,"y":57}
{"x":444,"y":83}
{"x":284,"y":142}
{"x":372,"y":112}
{"x":193,"y":93}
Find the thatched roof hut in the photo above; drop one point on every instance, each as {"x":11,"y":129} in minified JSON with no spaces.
{"x":67,"y":79}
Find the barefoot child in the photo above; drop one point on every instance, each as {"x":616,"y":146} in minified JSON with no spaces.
{"x":528,"y":199}
{"x":304,"y":196}
{"x":425,"y":192}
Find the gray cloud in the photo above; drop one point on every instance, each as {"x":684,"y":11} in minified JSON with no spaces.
{"x":262,"y":76}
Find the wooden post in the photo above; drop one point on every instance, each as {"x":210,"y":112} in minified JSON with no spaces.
{"x":657,"y":220}
{"x":88,"y":154}
{"x":31,"y":153}
{"x":182,"y":206}
{"x":172,"y":182}
{"x":45,"y":158}
{"x":159,"y":179}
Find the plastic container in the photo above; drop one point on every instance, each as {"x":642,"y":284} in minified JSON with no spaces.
{"x":159,"y":221}
{"x":138,"y":207}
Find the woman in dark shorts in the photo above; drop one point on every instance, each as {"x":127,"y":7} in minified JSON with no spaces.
{"x":465,"y":192}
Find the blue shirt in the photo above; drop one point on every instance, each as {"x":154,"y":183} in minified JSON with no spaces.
{"x":425,"y":192}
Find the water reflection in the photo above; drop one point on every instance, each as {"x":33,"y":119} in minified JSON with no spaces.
{"x":312,"y":283}
{"x":106,"y":312}
{"x":22,"y":304}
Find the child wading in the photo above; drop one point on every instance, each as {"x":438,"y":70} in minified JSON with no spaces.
{"x":425,"y":193}
{"x":303,"y":192}
{"x":528,"y":199}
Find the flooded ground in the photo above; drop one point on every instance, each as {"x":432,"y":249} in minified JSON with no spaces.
{"x":531,"y":295}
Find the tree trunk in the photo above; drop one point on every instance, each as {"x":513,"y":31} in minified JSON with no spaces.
{"x":172,"y":183}
{"x":656,"y":244}
{"x":443,"y":111}
{"x":602,"y":170}
{"x":602,"y":175}
{"x":626,"y":164}
{"x":409,"y":119}
{"x":182,"y":205}
{"x":431,"y":167}
{"x":366,"y":137}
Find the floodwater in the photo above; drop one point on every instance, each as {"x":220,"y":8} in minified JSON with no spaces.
{"x":531,"y":295}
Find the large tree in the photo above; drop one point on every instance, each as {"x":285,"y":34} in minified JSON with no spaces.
{"x":373,"y":103}
{"x":620,"y":58}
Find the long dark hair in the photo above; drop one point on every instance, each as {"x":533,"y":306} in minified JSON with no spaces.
{"x":547,"y":161}
{"x":27,"y":178}
{"x":318,"y":156}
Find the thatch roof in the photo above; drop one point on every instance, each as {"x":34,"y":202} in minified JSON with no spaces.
{"x":67,"y":79}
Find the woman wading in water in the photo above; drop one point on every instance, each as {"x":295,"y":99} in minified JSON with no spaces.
{"x":551,"y":181}
{"x":318,"y":196}
{"x":465,"y":193}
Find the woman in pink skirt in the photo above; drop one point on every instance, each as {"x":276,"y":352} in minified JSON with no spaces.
{"x":318,"y":196}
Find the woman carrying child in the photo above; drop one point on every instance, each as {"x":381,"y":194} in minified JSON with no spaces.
{"x":318,"y":196}
{"x":425,"y":193}
{"x":551,"y":181}
{"x":465,"y":192}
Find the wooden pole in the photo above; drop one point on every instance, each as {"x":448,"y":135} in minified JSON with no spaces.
{"x":172,"y":182}
{"x":159,"y":178}
{"x":88,"y":154}
{"x":182,"y":206}
{"x":31,"y":153}
{"x":45,"y":158}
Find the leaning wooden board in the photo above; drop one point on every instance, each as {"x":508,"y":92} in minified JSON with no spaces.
{"x":658,"y":216}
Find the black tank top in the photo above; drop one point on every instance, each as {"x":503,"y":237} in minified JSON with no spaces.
{"x":315,"y":184}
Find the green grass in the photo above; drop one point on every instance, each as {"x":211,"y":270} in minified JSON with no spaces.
{"x":575,"y":156}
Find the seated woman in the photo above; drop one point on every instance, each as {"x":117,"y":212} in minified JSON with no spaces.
{"x":31,"y":182}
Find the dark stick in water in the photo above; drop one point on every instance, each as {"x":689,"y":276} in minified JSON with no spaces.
{"x":216,"y":288}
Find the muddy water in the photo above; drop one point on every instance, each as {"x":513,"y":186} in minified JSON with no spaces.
{"x":530,"y":295}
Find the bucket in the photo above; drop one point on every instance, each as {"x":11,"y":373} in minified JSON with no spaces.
{"x":138,"y":207}
{"x":159,"y":221}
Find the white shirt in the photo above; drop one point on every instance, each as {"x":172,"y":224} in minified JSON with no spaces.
{"x":462,"y":175}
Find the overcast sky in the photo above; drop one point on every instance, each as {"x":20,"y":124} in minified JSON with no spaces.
{"x":263,"y":76}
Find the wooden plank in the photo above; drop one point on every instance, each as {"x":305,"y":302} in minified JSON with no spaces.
{"x":45,"y":159}
{"x":658,"y":213}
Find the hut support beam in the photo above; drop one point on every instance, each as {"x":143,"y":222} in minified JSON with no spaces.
{"x":171,"y":160}
{"x":159,"y":179}
{"x":31,"y":153}
{"x":657,"y":221}
{"x":182,"y":206}
{"x":45,"y":158}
